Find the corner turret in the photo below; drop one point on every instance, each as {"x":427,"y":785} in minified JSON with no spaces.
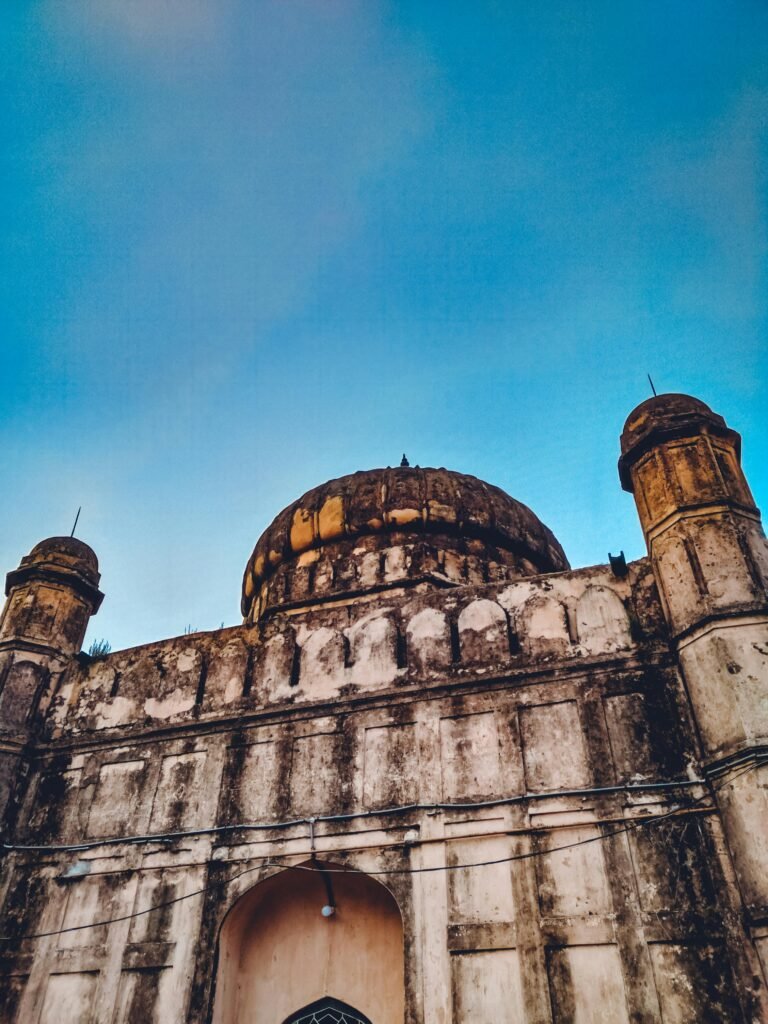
{"x":709,"y":555}
{"x":51,"y":597}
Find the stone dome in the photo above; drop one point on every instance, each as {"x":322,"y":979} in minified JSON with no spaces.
{"x":382,"y":527}
{"x":62,"y":560}
{"x":68,"y":552}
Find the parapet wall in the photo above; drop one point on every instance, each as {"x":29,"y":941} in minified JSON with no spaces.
{"x":399,"y":639}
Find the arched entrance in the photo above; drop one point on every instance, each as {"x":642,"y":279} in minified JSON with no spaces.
{"x":281,"y":961}
{"x":327,"y":1011}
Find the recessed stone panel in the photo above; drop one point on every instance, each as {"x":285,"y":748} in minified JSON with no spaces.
{"x":694,"y":469}
{"x":89,"y":901}
{"x":137,"y":995}
{"x":116,"y":802}
{"x":483,"y":633}
{"x":429,"y":642}
{"x":480,"y":895}
{"x":601,"y":621}
{"x":55,"y":797}
{"x":251,"y":780}
{"x":571,"y":873}
{"x":470,"y":758}
{"x":692,"y":986}
{"x":629,"y":732}
{"x":226,"y":675}
{"x":587,"y":986}
{"x":391,"y":767}
{"x":68,"y":997}
{"x":655,"y":491}
{"x":487,"y":988}
{"x":315,"y":774}
{"x":553,"y":747}
{"x":179,"y":793}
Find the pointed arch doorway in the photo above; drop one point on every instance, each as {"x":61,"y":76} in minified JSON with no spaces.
{"x":327,"y":1011}
{"x":282,"y":962}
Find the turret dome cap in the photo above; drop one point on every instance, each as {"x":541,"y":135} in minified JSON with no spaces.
{"x":665,"y":417}
{"x":65,"y":559}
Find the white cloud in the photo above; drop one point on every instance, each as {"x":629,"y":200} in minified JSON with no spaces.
{"x":214,"y":188}
{"x":145,"y":24}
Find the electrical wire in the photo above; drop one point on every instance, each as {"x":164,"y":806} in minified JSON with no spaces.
{"x":628,"y":827}
{"x":268,"y":862}
{"x":161,"y":837}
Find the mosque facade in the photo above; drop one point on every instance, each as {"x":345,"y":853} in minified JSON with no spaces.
{"x":435,"y":776}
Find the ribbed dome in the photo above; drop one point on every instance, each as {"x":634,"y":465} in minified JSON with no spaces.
{"x":405,"y":502}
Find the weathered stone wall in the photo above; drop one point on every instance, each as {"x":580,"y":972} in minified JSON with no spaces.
{"x":504,"y":720}
{"x":396,"y":640}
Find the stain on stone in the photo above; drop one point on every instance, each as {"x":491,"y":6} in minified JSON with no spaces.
{"x":248,"y":676}
{"x":11,"y":991}
{"x":200,"y":693}
{"x":143,"y":997}
{"x":560,"y":987}
{"x":453,"y":627}
{"x":295,"y":677}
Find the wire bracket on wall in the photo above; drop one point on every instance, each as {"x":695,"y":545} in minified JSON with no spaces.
{"x":329,"y":907}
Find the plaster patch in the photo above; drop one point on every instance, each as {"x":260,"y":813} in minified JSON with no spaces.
{"x":187,"y":660}
{"x":176,"y":703}
{"x":513,"y":597}
{"x":480,"y":615}
{"x":428,"y":624}
{"x":119,"y":711}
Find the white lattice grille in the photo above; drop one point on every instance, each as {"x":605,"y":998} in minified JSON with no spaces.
{"x":327,"y":1011}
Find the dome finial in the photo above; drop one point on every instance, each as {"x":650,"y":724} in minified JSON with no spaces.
{"x":404,"y":461}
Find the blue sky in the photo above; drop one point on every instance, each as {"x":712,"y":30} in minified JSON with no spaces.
{"x":249,"y":246}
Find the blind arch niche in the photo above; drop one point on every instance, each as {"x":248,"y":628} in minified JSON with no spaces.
{"x":277,"y":953}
